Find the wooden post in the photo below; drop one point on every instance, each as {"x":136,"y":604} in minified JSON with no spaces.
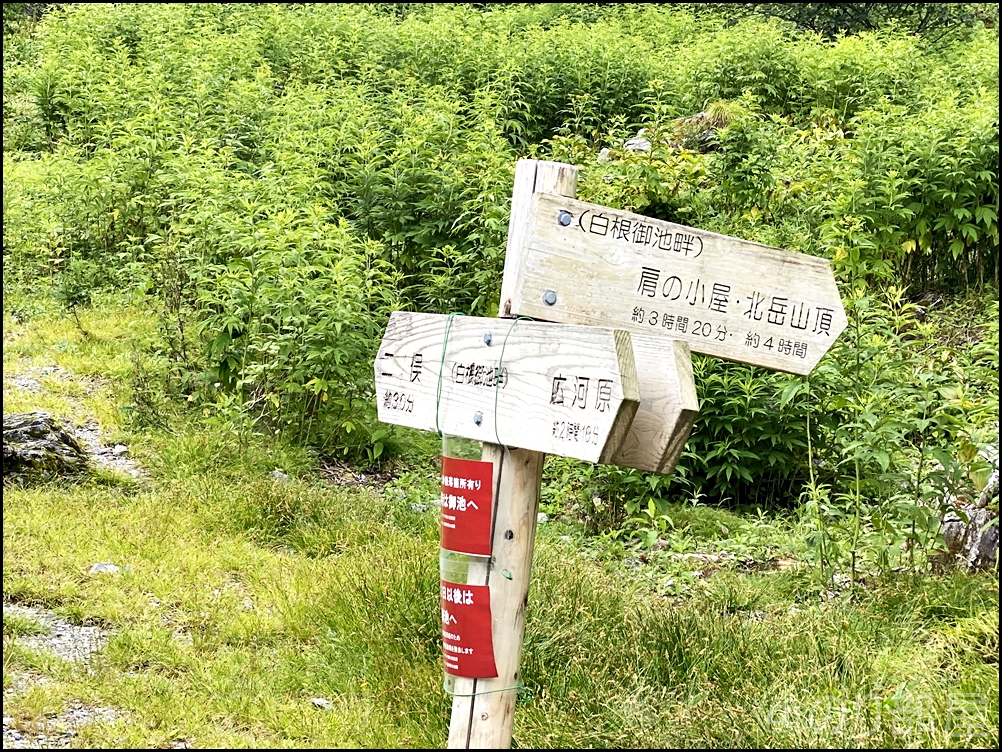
{"x":482,"y":716}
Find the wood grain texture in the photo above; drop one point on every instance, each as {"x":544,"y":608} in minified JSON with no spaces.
{"x":567,"y":390}
{"x":668,"y":405}
{"x":531,"y":176}
{"x":725,"y":297}
{"x":485,"y":719}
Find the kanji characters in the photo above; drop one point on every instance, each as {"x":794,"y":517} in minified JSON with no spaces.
{"x":648,"y":281}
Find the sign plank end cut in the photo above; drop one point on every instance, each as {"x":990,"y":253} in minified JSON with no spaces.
{"x":668,"y":405}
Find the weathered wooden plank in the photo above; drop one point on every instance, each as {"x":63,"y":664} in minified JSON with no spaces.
{"x":588,"y":264}
{"x":668,"y":405}
{"x":531,"y":177}
{"x":484,"y":718}
{"x":562,"y":389}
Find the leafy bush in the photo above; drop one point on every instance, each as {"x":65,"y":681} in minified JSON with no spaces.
{"x":277,"y":178}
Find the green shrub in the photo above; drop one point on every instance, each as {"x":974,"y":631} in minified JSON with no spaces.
{"x":277,"y":178}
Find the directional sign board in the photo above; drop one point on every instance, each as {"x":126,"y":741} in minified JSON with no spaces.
{"x":553,"y":388}
{"x":587,"y":264}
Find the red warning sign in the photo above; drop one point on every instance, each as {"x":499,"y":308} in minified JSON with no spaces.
{"x":467,"y":493}
{"x":467,"y":642}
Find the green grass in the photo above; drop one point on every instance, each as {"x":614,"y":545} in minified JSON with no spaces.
{"x":16,"y":625}
{"x":241,"y":598}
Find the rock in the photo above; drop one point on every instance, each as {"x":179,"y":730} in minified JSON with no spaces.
{"x":604,"y":155}
{"x":541,"y":518}
{"x":34,"y":445}
{"x":112,"y":458}
{"x":974,"y":543}
{"x":278,"y":476}
{"x":419,"y":507}
{"x":26,"y":384}
{"x":971,"y":533}
{"x":320,"y":702}
{"x":103,"y":567}
{"x":637,"y":144}
{"x":66,"y":641}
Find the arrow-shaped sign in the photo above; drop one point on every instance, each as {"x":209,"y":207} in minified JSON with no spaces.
{"x":587,"y":264}
{"x":560,"y":389}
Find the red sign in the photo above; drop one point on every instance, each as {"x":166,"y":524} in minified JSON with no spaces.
{"x":467,"y":493}
{"x":467,"y":641}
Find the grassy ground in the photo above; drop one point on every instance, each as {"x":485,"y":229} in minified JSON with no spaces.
{"x":241,"y":598}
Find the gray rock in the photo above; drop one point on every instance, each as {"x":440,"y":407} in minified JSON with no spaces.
{"x":320,"y":702}
{"x":278,"y":476}
{"x":637,"y":144}
{"x":974,"y":543}
{"x":35,"y":446}
{"x":103,"y":567}
{"x":419,"y":507}
{"x":541,"y":517}
{"x":57,"y":732}
{"x":66,"y":641}
{"x":26,"y":384}
{"x":111,"y":458}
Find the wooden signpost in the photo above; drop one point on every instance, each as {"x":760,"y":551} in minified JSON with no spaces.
{"x":554,"y":388}
{"x":587,"y":264}
{"x":590,"y":268}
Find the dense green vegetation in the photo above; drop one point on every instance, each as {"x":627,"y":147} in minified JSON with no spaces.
{"x":216,"y":207}
{"x":276,"y":179}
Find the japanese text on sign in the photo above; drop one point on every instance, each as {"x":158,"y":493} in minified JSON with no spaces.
{"x":467,"y":642}
{"x":478,"y":374}
{"x":466,"y":505}
{"x":640,"y":233}
{"x":778,"y":311}
{"x":573,"y":392}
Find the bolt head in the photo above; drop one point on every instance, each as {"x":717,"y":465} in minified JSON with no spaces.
{"x":478,"y":418}
{"x":564,"y":218}
{"x":488,"y":338}
{"x":550,"y":297}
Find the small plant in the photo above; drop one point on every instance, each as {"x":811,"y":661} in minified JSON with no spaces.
{"x":76,"y":287}
{"x":17,"y":625}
